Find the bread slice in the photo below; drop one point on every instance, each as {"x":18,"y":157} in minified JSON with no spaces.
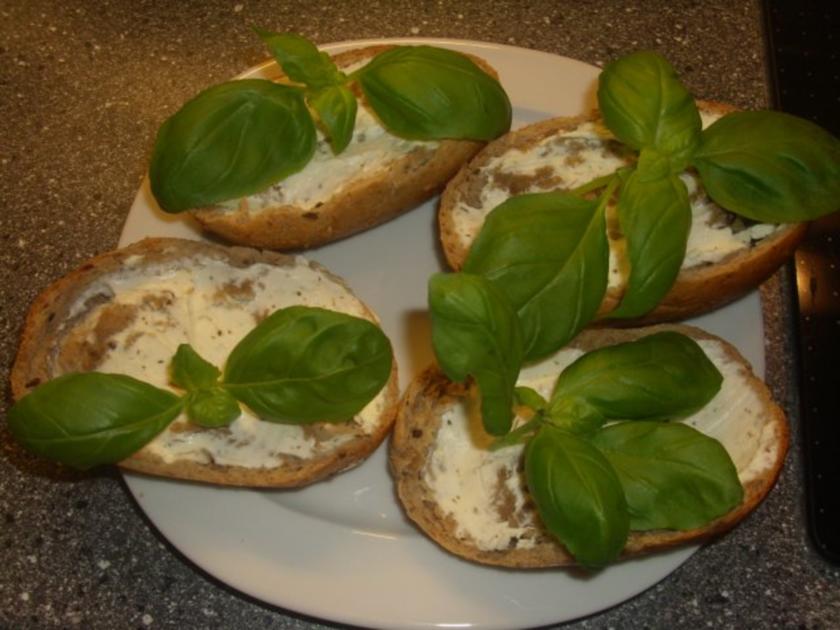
{"x":725,"y":258}
{"x":126,"y":312}
{"x":475,"y":503}
{"x":376,"y":178}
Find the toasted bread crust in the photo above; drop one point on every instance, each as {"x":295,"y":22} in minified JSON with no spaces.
{"x":48,"y":324}
{"x":697,"y":289}
{"x":395,"y":188}
{"x":418,"y":423}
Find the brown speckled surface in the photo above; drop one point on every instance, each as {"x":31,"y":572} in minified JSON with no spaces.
{"x":83,"y":88}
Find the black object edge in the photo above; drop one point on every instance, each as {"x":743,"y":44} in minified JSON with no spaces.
{"x":802,"y":52}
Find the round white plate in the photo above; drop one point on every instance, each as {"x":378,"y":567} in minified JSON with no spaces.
{"x":342,"y":549}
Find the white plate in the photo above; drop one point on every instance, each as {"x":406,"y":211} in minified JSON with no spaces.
{"x":342,"y":550}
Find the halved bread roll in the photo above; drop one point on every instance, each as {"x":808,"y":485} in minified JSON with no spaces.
{"x":725,"y":258}
{"x":127,"y":311}
{"x":376,"y":178}
{"x":474,"y":502}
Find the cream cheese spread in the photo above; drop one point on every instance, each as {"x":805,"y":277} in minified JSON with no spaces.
{"x":574,"y":157}
{"x":485,"y":492}
{"x":212,"y":305}
{"x":326,"y":174}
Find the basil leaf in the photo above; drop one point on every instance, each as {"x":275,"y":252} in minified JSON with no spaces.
{"x":673,"y":476}
{"x":574,"y":414}
{"x":302,"y":365}
{"x":529,"y":397}
{"x":427,"y":93}
{"x":548,"y":253}
{"x":578,"y":496}
{"x":770,"y":166}
{"x":655,"y":217}
{"x":645,"y":105}
{"x":301,"y":60}
{"x":188,"y":370}
{"x":213,"y":407}
{"x":336,"y":108}
{"x":84,"y":420}
{"x":232,"y":140}
{"x":475,"y":332}
{"x":660,"y":376}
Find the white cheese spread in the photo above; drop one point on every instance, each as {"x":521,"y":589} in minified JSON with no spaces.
{"x":212,"y":305}
{"x":574,"y":157}
{"x":479,"y":488}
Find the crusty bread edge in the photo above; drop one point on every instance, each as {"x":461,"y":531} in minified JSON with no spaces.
{"x":418,"y":420}
{"x":32,"y":365}
{"x":697,"y":289}
{"x":370,"y":201}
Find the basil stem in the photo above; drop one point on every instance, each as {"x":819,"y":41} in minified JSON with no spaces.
{"x":84,"y":420}
{"x":426,"y":93}
{"x":302,"y":365}
{"x":475,"y":332}
{"x":548,"y":254}
{"x":673,"y":476}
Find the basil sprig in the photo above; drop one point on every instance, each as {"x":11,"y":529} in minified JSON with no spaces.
{"x":299,"y":365}
{"x":240,"y":137}
{"x":766,"y":166}
{"x":593,"y":483}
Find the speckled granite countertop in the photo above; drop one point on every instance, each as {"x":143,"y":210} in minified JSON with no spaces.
{"x":83,"y":88}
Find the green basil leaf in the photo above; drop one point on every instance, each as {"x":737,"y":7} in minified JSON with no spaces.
{"x":574,"y":414}
{"x":84,"y":420}
{"x":302,"y":365}
{"x":427,"y":93}
{"x":660,"y":376}
{"x":655,"y":217}
{"x":578,"y":496}
{"x":529,"y":397}
{"x":230,"y":141}
{"x":188,"y":370}
{"x":673,"y":476}
{"x":645,"y":105}
{"x":475,"y":332}
{"x":548,"y":253}
{"x":213,"y":407}
{"x":336,"y":108}
{"x":301,"y":60}
{"x":770,"y":166}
